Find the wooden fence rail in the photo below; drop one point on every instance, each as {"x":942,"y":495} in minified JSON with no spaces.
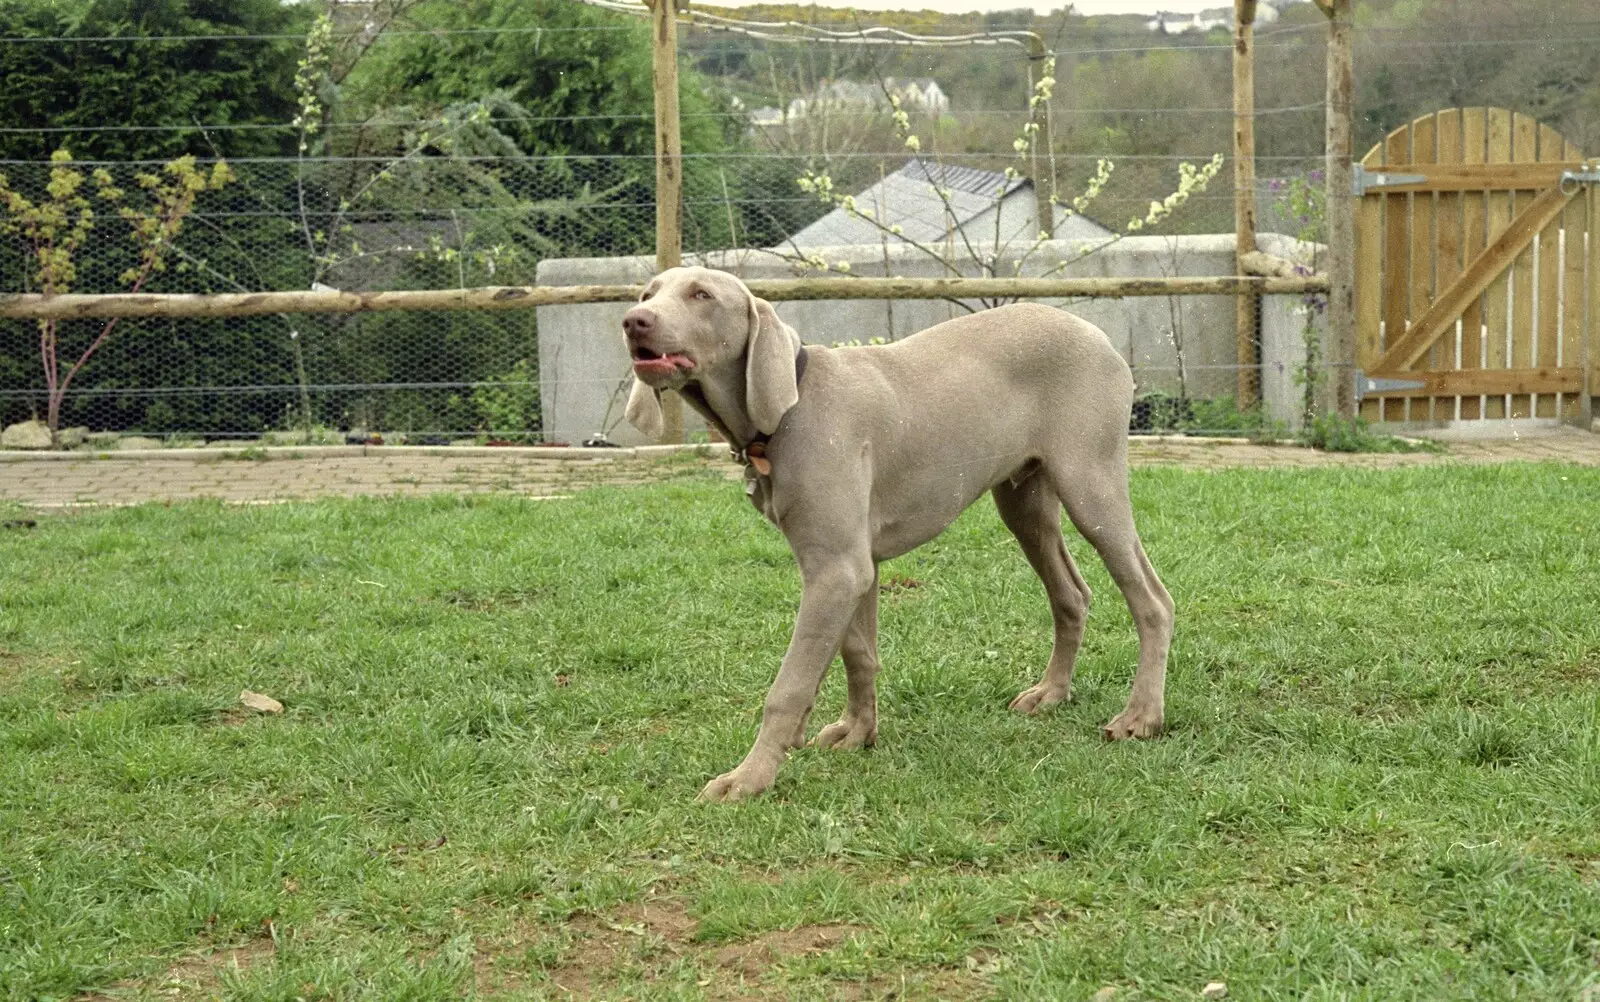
{"x":25,"y":306}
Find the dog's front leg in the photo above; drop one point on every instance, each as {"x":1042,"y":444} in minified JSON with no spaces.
{"x":832,"y":590}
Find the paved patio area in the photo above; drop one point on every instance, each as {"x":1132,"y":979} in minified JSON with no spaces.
{"x":265,"y":475}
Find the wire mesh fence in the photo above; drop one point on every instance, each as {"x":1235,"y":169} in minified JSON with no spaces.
{"x":400,"y":190}
{"x":401,"y":200}
{"x":418,"y":223}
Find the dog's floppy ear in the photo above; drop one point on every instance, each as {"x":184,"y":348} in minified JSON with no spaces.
{"x":770,"y":386}
{"x":644,"y":410}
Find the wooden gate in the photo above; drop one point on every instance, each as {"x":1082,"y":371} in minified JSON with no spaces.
{"x":1477,"y":271}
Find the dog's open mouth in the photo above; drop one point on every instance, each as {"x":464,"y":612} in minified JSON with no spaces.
{"x":651,"y":363}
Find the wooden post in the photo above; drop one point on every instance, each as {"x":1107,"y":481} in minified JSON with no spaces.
{"x":1044,"y":182}
{"x":669,"y":170}
{"x":1247,"y":306}
{"x":1591,"y":340}
{"x":1341,"y":209}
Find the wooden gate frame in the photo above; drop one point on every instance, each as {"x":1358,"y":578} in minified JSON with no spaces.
{"x":1394,"y":168}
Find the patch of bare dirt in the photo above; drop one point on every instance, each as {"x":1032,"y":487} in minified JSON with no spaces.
{"x":655,"y":940}
{"x":753,"y":956}
{"x":10,"y":666}
{"x":198,"y":976}
{"x":896,"y":584}
{"x":1586,"y":670}
{"x":16,"y":668}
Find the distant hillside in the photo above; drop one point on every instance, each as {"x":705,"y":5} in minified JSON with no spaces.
{"x":1412,"y":57}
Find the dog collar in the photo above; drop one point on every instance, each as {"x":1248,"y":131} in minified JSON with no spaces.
{"x":754,"y":452}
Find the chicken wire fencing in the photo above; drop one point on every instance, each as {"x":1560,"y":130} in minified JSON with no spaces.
{"x":460,"y":220}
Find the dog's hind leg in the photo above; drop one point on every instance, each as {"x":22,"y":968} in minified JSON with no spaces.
{"x":1097,"y":501}
{"x":1032,"y":511}
{"x":858,"y":727}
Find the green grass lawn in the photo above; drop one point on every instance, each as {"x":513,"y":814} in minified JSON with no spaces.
{"x":1381,"y":778}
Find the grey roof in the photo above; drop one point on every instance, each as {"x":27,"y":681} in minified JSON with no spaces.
{"x":906,"y":199}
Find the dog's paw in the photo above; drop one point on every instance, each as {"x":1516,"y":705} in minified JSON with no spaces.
{"x":1040,"y":697}
{"x":1134,"y":722}
{"x":847,"y":734}
{"x":740,"y":784}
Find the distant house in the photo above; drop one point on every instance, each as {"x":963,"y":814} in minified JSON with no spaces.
{"x":922,"y":93}
{"x":767,"y":115}
{"x":907,"y":199}
{"x":1168,"y":23}
{"x":916,"y":94}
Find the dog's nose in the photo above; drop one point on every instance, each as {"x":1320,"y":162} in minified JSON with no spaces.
{"x":639,"y":323}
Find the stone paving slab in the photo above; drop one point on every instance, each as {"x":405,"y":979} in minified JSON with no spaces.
{"x":69,"y":480}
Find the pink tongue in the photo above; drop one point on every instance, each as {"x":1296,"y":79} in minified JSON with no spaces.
{"x":666,"y":365}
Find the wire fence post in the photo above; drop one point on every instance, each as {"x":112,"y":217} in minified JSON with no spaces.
{"x":1341,"y":209}
{"x":1591,"y":329}
{"x":1246,"y":305}
{"x":1044,"y":182}
{"x":669,"y":169}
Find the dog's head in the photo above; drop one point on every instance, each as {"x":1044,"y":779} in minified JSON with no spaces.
{"x":696,"y":325}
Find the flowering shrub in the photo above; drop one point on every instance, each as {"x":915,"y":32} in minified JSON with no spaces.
{"x":1192,"y":180}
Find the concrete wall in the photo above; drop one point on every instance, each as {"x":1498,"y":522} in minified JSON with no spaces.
{"x":584,"y":371}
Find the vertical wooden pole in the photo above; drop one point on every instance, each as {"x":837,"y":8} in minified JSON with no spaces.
{"x":669,"y":171}
{"x":1247,"y":304}
{"x":1044,"y":182}
{"x":1591,"y":332}
{"x":1341,"y":208}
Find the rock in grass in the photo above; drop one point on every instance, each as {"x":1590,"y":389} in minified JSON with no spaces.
{"x":1105,"y":994}
{"x":26,"y":435}
{"x":257,"y":701}
{"x":1214,"y":990}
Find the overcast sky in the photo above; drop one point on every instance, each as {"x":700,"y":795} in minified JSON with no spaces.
{"x":1042,"y":6}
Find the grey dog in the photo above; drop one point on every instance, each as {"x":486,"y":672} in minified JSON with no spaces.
{"x":860,"y":454}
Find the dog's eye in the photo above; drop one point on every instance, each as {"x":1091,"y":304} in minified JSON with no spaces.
{"x":701,"y":294}
{"x":646,"y":295}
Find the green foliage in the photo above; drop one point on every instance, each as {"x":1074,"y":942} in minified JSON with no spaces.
{"x":53,"y":229}
{"x":1304,"y":200}
{"x":509,"y":403}
{"x":1160,"y":412}
{"x":1333,"y":433}
{"x":572,"y":84}
{"x":565,"y":93}
{"x":1222,"y":415}
{"x":89,"y":84}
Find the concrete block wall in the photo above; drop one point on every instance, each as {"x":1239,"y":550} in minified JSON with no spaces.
{"x":584,"y":372}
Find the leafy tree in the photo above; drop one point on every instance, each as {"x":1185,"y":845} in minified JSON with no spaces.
{"x":582,"y":75}
{"x":50,"y":84}
{"x":580,"y":79}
